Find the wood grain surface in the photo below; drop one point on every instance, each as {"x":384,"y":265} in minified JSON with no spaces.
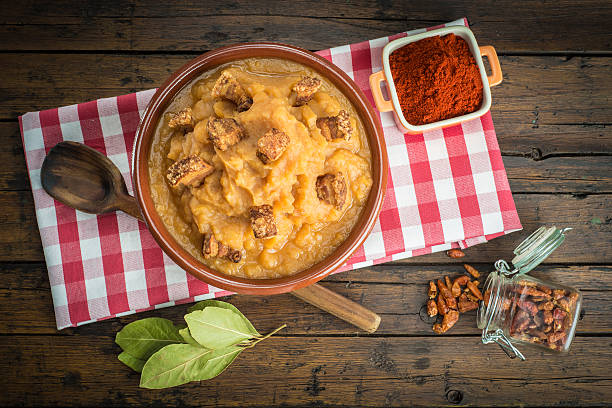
{"x":553,"y":118}
{"x":525,"y":26}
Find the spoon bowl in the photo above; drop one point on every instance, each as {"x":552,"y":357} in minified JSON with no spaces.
{"x":85,"y":179}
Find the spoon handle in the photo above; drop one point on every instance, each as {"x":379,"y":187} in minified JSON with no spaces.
{"x":129,"y":205}
{"x":339,"y":306}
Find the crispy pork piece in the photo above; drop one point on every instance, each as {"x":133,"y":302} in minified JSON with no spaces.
{"x":182,"y":120}
{"x":229,"y":88}
{"x":189,"y":171}
{"x":231,"y":254}
{"x":262,"y":221}
{"x":224,"y":133}
{"x":272,"y":145}
{"x":331,"y":188}
{"x":336,"y":127}
{"x":211,"y":248}
{"x":305,"y":89}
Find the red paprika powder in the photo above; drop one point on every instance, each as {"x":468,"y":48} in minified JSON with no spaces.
{"x":436,"y":78}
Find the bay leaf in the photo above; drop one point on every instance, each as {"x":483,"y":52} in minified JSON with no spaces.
{"x":216,"y":328}
{"x":129,"y":360}
{"x":144,"y":337}
{"x":187,"y":337}
{"x":223,"y":305}
{"x":178,"y":364}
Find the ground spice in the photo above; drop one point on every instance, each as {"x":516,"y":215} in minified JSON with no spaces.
{"x":436,"y":78}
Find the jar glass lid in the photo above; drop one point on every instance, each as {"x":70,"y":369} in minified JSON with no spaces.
{"x":537,"y":247}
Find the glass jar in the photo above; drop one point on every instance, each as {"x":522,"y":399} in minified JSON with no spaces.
{"x":520,"y":309}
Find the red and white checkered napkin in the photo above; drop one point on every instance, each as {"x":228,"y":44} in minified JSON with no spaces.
{"x":447,"y":188}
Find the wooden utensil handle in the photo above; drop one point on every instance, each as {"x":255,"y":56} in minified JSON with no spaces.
{"x":129,"y":205}
{"x":339,"y":306}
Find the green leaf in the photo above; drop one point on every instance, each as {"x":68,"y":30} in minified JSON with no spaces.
{"x":144,"y":337}
{"x":216,"y":328}
{"x":178,"y":364}
{"x":129,"y":360}
{"x":223,"y":305}
{"x":187,"y":337}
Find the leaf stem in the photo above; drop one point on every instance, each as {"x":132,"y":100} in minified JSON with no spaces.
{"x":266,"y":336}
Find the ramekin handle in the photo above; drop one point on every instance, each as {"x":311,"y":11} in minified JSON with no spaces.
{"x":382,"y":104}
{"x":496,"y":73}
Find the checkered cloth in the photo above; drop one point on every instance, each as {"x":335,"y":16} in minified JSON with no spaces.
{"x":447,"y":188}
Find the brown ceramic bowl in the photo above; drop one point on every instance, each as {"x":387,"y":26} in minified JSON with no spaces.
{"x":181,"y":78}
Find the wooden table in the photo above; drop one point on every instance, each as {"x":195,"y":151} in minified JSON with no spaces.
{"x":553,"y":116}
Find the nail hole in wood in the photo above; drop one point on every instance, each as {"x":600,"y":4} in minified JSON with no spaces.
{"x":454,"y":396}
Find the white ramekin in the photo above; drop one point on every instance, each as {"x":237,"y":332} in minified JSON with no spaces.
{"x":385,"y":105}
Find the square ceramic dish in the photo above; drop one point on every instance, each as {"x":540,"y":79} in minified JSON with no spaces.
{"x":385,"y":105}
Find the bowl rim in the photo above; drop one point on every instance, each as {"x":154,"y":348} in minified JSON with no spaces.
{"x":468,"y":36}
{"x":184,"y":76}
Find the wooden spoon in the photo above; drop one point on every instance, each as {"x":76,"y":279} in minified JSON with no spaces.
{"x":84,"y":179}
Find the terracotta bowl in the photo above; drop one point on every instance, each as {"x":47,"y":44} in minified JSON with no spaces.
{"x":146,"y":131}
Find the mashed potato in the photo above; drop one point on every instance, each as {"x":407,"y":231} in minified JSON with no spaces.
{"x":307,"y":228}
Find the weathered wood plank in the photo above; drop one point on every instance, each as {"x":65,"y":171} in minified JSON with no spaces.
{"x":592,"y":278}
{"x":51,"y":370}
{"x":560,"y":174}
{"x":552,"y":175}
{"x":393,"y":9}
{"x":553,"y":90}
{"x":20,"y":234}
{"x":543,"y":141}
{"x":52,"y":83}
{"x":588,"y":215}
{"x":113,"y":25}
{"x":13,"y":172}
{"x":395,"y":292}
{"x":529,"y":97}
